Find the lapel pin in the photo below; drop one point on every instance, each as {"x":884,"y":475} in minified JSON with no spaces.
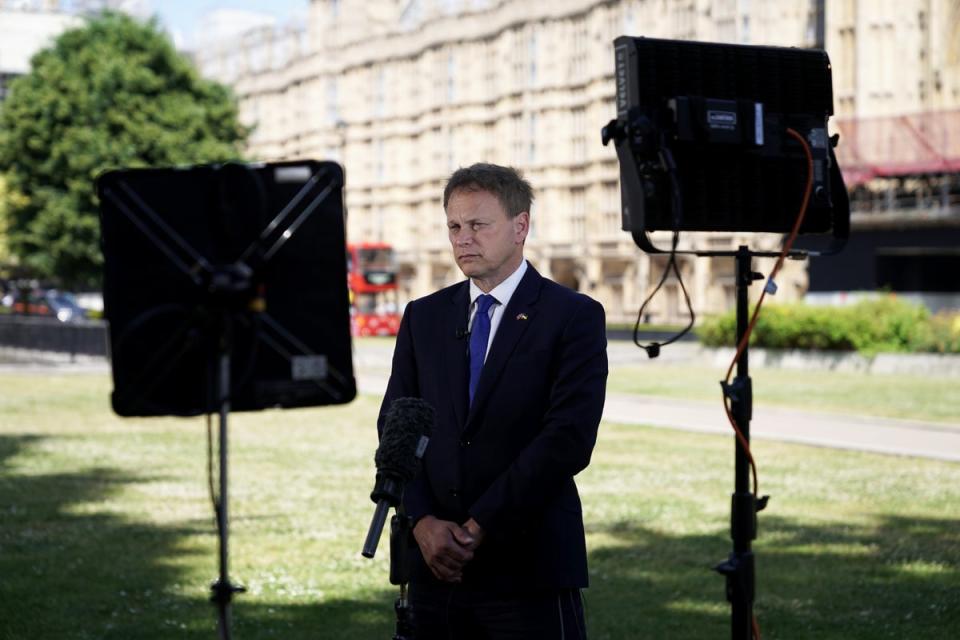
{"x":521,"y":316}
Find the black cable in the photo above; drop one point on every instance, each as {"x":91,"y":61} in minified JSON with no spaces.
{"x":216,"y":499}
{"x":676,"y":205}
{"x":214,"y":496}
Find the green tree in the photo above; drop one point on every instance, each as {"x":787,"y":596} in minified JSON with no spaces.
{"x":114,"y":93}
{"x":4,"y":251}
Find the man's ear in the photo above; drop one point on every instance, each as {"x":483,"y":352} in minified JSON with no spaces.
{"x":521,"y":226}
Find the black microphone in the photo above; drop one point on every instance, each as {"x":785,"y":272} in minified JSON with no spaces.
{"x":406,"y":432}
{"x":462,"y":333}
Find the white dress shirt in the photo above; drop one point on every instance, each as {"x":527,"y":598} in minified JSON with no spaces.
{"x":502,"y":294}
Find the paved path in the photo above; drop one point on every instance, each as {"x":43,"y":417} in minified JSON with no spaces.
{"x":861,"y":433}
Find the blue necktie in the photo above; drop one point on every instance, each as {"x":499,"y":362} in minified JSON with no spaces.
{"x":479,"y":336}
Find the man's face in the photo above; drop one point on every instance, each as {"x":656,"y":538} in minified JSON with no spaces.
{"x":487,"y":244}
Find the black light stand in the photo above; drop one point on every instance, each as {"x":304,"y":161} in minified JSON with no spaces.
{"x":738,"y":569}
{"x":249,"y":328}
{"x":222,"y":589}
{"x":714,"y":137}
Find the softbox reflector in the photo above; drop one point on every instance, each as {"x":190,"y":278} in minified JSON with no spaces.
{"x":719,"y":114}
{"x":248,"y":258}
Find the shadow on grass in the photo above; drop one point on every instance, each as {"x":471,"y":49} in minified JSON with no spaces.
{"x":69,"y":569}
{"x":895,"y":578}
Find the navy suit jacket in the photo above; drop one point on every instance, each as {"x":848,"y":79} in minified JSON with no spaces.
{"x":507,"y":460}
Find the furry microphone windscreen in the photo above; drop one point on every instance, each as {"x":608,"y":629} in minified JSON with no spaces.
{"x":407,"y":420}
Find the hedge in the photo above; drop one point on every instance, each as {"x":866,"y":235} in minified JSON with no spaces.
{"x":885,"y":324}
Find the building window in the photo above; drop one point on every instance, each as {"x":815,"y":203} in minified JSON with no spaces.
{"x":438,"y":146}
{"x":489,"y":142}
{"x":439,"y":76}
{"x":451,"y":77}
{"x":611,"y":208}
{"x":630,"y":19}
{"x":490,"y":70}
{"x":578,"y":213}
{"x":381,"y":161}
{"x":451,"y":154}
{"x":532,"y":139}
{"x":532,"y":57}
{"x":579,"y":134}
{"x":614,"y":21}
{"x":517,"y":51}
{"x":380,"y":93}
{"x":516,"y":139}
{"x":333,"y":111}
{"x":450,"y":7}
{"x":578,"y":50}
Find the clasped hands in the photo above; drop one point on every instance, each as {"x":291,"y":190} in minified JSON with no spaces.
{"x":447,"y":546}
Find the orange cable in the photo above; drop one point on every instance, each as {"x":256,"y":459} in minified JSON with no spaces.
{"x":756,"y":311}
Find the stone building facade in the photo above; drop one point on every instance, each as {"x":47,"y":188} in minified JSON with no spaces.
{"x":404,"y":92}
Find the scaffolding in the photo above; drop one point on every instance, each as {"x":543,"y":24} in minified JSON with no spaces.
{"x":903,"y":168}
{"x":926,"y":143}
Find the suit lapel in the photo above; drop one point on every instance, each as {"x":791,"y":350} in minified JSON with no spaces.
{"x":516,"y":318}
{"x":456,"y":351}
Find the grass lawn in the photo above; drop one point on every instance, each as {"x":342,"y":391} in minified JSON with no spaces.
{"x":887,"y":395}
{"x":106,"y":529}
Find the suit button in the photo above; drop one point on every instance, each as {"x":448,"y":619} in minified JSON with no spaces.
{"x":454,"y":492}
{"x":464,"y":443}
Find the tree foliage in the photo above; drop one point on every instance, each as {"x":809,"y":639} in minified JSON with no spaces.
{"x":113,"y":93}
{"x":4,"y":251}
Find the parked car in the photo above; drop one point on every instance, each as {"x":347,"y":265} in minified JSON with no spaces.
{"x":64,"y":306}
{"x":61,"y":305}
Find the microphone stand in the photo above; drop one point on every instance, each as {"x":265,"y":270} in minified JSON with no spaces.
{"x":387,"y":492}
{"x":409,"y":421}
{"x":401,"y":527}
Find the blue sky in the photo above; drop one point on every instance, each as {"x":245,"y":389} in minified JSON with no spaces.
{"x":182,"y":16}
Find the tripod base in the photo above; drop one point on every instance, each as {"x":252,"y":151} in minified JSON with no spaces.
{"x":738,"y":569}
{"x":222,"y":595}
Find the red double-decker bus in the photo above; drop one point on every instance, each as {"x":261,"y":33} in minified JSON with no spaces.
{"x":372,"y":278}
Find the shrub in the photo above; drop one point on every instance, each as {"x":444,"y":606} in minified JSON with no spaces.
{"x":797,"y":326}
{"x":944,"y":334}
{"x":870,"y":326}
{"x":888,"y":324}
{"x":718,"y":330}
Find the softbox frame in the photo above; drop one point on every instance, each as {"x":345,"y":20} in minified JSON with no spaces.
{"x":247,"y":259}
{"x":704,"y":124}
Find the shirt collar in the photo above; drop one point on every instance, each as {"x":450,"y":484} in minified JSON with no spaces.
{"x":503,"y":291}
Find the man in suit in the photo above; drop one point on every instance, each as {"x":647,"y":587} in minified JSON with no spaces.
{"x":515,"y":366}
